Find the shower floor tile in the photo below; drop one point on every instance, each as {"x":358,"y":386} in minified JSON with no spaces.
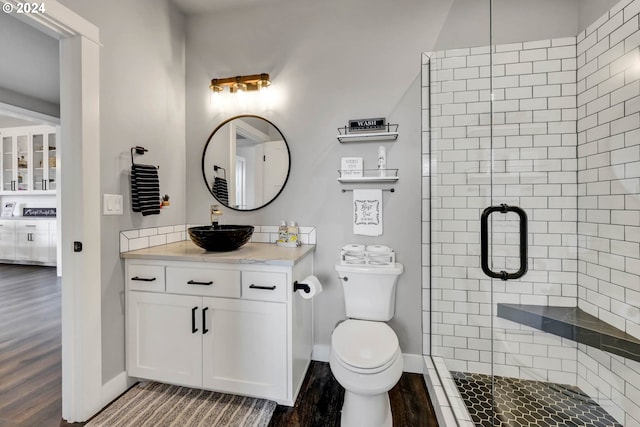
{"x":525,"y":403}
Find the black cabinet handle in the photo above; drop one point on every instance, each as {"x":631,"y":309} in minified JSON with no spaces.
{"x":204,"y":320}
{"x":193,"y":282}
{"x":484,"y":242}
{"x":266,"y":288}
{"x":143,"y":279}
{"x":193,"y":320}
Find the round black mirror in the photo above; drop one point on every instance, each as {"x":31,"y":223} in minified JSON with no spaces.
{"x":246,"y":163}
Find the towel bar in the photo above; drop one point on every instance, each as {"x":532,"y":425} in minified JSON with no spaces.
{"x":140,"y":151}
{"x":391,"y":190}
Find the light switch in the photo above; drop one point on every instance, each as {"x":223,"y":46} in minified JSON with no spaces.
{"x":112,"y":204}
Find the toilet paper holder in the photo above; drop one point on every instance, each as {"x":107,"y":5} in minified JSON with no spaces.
{"x":301,"y":286}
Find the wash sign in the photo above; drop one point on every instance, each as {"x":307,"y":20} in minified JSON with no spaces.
{"x":366,"y":124}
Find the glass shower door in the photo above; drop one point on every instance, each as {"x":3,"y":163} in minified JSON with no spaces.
{"x":459,"y":76}
{"x":533,"y":194}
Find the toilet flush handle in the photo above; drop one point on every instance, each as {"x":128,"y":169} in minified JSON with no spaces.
{"x":345,"y":278}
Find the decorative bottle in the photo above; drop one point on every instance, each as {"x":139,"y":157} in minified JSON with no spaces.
{"x":282,"y":232}
{"x":293,"y":234}
{"x":382,"y":161}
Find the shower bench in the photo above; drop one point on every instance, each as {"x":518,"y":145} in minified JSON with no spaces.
{"x":575,"y":324}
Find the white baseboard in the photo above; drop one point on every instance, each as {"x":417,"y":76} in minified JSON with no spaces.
{"x":320,"y":353}
{"x":115,"y":387}
{"x":413,"y":363}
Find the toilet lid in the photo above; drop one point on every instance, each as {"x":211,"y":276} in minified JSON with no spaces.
{"x":364,"y":344}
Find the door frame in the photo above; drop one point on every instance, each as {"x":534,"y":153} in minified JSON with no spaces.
{"x":82,"y":390}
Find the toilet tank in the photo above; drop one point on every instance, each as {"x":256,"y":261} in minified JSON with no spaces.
{"x":369,"y":291}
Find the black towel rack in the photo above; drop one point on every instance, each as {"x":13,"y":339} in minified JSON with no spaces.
{"x":139,"y":151}
{"x":215,"y":169}
{"x":391,"y":190}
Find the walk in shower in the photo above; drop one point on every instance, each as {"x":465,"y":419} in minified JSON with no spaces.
{"x":531,"y":213}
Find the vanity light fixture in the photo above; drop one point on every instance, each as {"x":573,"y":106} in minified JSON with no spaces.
{"x":240,"y":84}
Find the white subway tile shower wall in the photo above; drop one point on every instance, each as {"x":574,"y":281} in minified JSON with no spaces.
{"x":536,"y":108}
{"x":609,"y":168}
{"x":608,"y":101}
{"x":534,"y":167}
{"x":155,"y":236}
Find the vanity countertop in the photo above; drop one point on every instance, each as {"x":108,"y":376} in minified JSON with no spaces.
{"x":251,"y":253}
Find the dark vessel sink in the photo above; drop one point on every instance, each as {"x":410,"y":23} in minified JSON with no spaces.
{"x":220,"y":238}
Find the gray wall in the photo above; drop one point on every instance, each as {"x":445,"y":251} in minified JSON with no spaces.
{"x":329,"y":61}
{"x":29,"y":69}
{"x":468,"y":21}
{"x":589,"y":11}
{"x":142,"y":63}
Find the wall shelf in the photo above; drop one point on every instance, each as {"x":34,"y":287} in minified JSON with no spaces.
{"x":369,"y":175}
{"x":391,"y":134}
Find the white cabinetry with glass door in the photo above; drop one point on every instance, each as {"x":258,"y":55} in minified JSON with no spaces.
{"x":29,"y":160}
{"x":44,"y":150}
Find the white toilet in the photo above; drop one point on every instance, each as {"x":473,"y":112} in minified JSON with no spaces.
{"x":365,"y":356}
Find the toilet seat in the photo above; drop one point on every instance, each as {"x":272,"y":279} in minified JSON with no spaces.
{"x":365,"y":346}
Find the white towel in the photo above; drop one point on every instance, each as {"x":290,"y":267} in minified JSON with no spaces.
{"x":367,"y":212}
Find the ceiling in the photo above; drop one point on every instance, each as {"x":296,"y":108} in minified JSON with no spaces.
{"x":192,"y":7}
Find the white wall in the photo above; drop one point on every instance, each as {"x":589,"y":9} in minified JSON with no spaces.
{"x":142,"y":63}
{"x":330,"y":62}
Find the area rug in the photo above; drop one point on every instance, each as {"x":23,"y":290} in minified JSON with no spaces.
{"x":162,"y":405}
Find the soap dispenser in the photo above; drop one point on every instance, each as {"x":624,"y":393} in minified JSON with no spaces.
{"x":293,"y":234}
{"x":282,"y":232}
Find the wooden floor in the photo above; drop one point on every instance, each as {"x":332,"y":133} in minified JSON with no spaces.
{"x":30,"y":365}
{"x":30,"y":355}
{"x":320,"y":401}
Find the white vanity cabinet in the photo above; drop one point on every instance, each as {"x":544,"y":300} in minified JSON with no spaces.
{"x":230,"y":327}
{"x":245,"y":348}
{"x":161,"y":345}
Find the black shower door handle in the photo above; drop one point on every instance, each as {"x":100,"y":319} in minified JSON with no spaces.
{"x":484,"y":242}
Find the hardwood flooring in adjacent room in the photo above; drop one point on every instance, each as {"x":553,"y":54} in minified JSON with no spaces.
{"x":320,"y":401}
{"x":30,"y":347}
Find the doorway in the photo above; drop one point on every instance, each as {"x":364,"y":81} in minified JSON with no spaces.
{"x":80,"y":240}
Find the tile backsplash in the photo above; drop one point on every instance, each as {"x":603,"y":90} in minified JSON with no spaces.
{"x":142,"y":238}
{"x":131,"y":240}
